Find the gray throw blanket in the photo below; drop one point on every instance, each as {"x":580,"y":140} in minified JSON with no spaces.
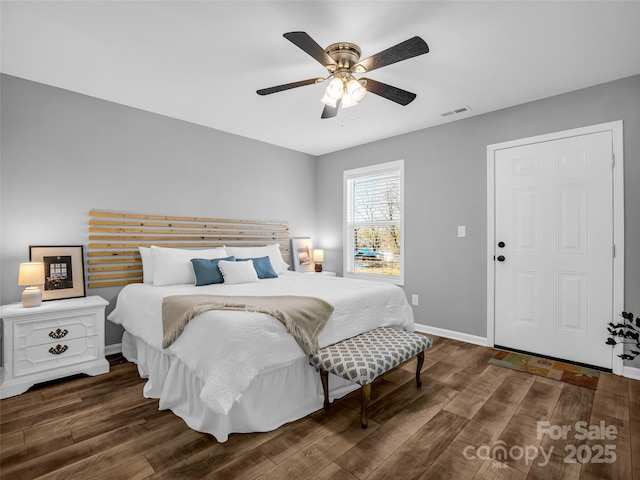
{"x":303,"y":317}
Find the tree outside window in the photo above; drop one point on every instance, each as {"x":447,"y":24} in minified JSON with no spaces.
{"x":374,"y":222}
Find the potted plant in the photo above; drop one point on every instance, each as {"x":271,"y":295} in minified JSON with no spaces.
{"x":627,"y":331}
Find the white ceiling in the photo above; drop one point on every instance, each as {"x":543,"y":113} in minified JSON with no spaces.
{"x":202,"y":61}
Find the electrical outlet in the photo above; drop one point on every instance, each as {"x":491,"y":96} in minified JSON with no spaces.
{"x":414,"y":299}
{"x":462,"y":231}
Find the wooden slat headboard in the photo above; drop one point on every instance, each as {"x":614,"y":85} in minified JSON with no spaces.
{"x":114,"y":239}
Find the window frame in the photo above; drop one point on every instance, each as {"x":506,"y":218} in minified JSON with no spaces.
{"x":347,"y":262}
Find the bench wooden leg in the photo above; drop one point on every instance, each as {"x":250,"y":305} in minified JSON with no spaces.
{"x":419,"y":368}
{"x":324,"y":378}
{"x":366,"y":396}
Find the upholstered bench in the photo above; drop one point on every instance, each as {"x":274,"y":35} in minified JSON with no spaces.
{"x":363,"y":358}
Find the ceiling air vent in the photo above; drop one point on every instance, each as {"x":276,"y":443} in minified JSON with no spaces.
{"x":456,"y":111}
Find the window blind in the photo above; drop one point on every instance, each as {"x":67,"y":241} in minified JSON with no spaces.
{"x":374,"y":221}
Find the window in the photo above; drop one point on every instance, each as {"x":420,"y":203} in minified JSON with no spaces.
{"x":58,"y":271}
{"x":373,"y":222}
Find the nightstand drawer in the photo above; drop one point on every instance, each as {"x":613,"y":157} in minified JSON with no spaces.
{"x":29,"y":333}
{"x":48,"y":356}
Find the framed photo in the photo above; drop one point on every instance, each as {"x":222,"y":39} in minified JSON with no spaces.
{"x":302,"y":254}
{"x":63,"y":271}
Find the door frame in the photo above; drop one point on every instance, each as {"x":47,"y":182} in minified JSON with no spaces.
{"x":618,"y":222}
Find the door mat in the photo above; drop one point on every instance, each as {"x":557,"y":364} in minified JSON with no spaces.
{"x":564,"y":372}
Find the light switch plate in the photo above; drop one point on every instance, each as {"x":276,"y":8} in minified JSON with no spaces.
{"x":462,"y":231}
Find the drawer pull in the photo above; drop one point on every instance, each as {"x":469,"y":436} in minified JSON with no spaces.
{"x":58,"y":350}
{"x":58,"y":333}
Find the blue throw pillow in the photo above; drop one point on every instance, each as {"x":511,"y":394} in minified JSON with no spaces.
{"x":207,"y":271}
{"x":263,"y":267}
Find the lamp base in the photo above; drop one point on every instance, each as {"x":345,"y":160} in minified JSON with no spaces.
{"x":31,"y":297}
{"x":318,"y":267}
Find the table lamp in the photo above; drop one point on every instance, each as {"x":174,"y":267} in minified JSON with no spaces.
{"x":31,"y":274}
{"x":318,"y":258}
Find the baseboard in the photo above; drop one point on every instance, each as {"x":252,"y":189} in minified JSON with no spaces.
{"x":113,"y":349}
{"x":463,"y":337}
{"x":631,"y":372}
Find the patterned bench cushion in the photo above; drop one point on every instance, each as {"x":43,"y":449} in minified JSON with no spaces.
{"x":364,"y":357}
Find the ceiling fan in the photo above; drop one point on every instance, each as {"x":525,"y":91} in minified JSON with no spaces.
{"x":342,"y":60}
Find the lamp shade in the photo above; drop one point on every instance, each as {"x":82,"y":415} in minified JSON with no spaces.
{"x":31,"y":273}
{"x":335,"y":88}
{"x":327,"y":100}
{"x":356,"y":90}
{"x":347,"y":101}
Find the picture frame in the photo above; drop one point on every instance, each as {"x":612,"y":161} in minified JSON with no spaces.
{"x":302,"y":254}
{"x":63,"y":270}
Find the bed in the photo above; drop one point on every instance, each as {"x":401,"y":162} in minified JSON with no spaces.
{"x":241,"y":371}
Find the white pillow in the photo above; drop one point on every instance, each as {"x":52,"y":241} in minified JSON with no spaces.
{"x":147,"y":264}
{"x":172,"y":266}
{"x":238,"y":272}
{"x":273,"y":251}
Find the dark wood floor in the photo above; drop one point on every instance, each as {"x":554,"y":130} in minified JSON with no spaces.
{"x":103,"y":428}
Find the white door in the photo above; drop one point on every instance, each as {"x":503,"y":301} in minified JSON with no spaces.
{"x":554,"y":269}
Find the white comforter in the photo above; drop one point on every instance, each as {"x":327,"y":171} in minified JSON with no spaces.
{"x":227,"y":349}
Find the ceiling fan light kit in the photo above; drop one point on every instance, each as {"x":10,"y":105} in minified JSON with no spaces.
{"x":347,"y":89}
{"x":342,"y":60}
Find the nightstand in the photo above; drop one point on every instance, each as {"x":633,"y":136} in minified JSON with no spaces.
{"x":54,"y":340}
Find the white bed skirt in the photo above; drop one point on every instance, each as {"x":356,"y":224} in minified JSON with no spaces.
{"x":274,"y":398}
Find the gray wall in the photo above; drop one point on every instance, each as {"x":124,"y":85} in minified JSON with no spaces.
{"x":64,"y":154}
{"x":446,"y":178}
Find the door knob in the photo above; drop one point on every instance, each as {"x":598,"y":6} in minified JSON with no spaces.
{"x":501,"y":258}
{"x":501,"y":244}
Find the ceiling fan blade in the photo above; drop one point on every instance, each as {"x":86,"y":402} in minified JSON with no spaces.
{"x":329,"y":111}
{"x":303,"y":41}
{"x":394,"y":94}
{"x":287,"y":86}
{"x":408,"y":49}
